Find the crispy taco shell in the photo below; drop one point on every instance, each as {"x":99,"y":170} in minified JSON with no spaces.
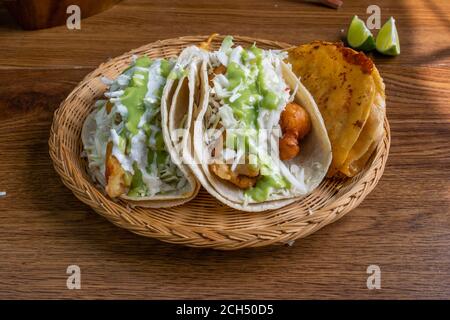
{"x":350,"y":95}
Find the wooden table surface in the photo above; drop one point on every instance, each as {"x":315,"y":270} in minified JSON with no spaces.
{"x":403,"y":226}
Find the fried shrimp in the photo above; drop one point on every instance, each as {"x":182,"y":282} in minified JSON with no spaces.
{"x":295,"y":124}
{"x":115,"y":175}
{"x":289,"y":146}
{"x":224,"y":172}
{"x":296,"y":120}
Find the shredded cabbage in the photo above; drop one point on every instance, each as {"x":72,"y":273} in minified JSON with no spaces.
{"x":223,"y":111}
{"x":158,"y":176}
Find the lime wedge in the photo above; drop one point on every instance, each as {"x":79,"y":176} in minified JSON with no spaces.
{"x":387,"y":39}
{"x":359,"y":37}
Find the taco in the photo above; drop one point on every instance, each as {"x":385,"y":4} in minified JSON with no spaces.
{"x":179,"y":112}
{"x":259,"y":141}
{"x":124,"y":142}
{"x":350,"y":94}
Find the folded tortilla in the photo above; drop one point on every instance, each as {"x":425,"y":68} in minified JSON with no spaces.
{"x":124,"y":143}
{"x":350,"y":95}
{"x":299,"y":176}
{"x":371,"y":133}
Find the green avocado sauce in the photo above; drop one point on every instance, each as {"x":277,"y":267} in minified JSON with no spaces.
{"x":264,"y":185}
{"x":133,"y":100}
{"x":166,"y":67}
{"x":253,"y":95}
{"x":137,"y":186}
{"x":133,"y":97}
{"x":160,"y":157}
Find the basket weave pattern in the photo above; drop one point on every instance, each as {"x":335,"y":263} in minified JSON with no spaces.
{"x":204,"y":221}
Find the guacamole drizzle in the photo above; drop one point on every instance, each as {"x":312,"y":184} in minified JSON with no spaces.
{"x":133,"y":125}
{"x":250,"y":97}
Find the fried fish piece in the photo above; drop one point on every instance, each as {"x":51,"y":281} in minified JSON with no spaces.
{"x":242,"y":181}
{"x":345,"y":87}
{"x":116,"y":182}
{"x":247,"y":169}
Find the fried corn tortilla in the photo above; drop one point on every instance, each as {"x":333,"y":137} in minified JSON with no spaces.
{"x":350,"y":95}
{"x":371,"y":133}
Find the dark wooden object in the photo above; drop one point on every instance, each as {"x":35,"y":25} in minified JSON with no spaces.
{"x":40,"y":14}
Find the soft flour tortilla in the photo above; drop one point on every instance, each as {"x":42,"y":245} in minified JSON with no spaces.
{"x":178,"y":113}
{"x":315,"y":157}
{"x":350,"y":95}
{"x":157,"y":201}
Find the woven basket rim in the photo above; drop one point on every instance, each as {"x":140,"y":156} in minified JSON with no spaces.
{"x":350,"y":193}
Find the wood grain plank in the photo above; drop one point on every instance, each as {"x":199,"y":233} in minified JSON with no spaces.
{"x":403,"y":226}
{"x":132,"y":23}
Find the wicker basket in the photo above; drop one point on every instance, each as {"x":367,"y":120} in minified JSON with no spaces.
{"x":203,"y":222}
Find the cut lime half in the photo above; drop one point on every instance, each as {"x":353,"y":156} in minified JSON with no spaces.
{"x":359,"y":37}
{"x":387,"y":39}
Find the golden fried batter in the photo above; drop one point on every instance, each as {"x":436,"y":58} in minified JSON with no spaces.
{"x":295,"y":119}
{"x":224,"y":172}
{"x":115,"y":175}
{"x":295,"y":124}
{"x":247,"y":170}
{"x":289,"y":146}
